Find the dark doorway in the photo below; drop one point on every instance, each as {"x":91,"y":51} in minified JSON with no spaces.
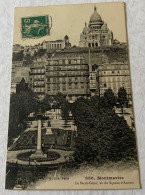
{"x":96,"y":44}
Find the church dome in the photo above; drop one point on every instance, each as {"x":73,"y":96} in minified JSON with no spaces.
{"x":85,"y":29}
{"x":104,"y":27}
{"x":95,"y":17}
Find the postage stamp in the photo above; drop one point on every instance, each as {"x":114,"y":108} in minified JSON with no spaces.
{"x":34,"y":27}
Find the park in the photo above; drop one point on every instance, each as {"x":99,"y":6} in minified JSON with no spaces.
{"x":53,"y":135}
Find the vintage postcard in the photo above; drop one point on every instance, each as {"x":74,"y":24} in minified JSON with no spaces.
{"x":71,"y":121}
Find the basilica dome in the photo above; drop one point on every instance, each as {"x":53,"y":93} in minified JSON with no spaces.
{"x":97,"y":33}
{"x":85,"y":29}
{"x":104,"y":27}
{"x":95,"y":17}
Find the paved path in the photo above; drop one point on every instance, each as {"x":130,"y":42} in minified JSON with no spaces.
{"x":12,"y":157}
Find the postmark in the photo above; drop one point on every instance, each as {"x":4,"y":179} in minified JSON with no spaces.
{"x":35,"y":27}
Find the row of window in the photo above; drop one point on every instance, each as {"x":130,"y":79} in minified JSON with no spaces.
{"x":115,"y":79}
{"x":69,"y":79}
{"x":113,"y":72}
{"x":115,"y":85}
{"x":64,"y":90}
{"x":97,"y":36}
{"x":114,"y":67}
{"x":54,"y":46}
{"x":66,"y":87}
{"x":76,"y":67}
{"x":95,"y":27}
{"x":92,"y":82}
{"x":67,"y":74}
{"x":38,"y":71}
{"x":37,"y":83}
{"x":39,"y":89}
{"x":120,"y":67}
{"x":39,"y":76}
{"x":39,"y":64}
{"x":67,"y":61}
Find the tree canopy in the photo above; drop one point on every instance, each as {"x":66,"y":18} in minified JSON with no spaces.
{"x":59,"y":99}
{"x":102,"y":134}
{"x":122,"y":96}
{"x":21,"y":105}
{"x":109,"y":99}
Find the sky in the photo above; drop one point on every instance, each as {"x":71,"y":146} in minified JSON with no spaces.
{"x":70,"y":20}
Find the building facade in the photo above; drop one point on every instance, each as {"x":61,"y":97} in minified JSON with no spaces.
{"x":57,"y":44}
{"x":96,"y":33}
{"x":69,"y":76}
{"x":74,"y":78}
{"x":37,"y":76}
{"x":114,"y":76}
{"x":18,"y":72}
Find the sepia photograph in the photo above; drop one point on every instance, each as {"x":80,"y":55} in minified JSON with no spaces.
{"x":71,"y":119}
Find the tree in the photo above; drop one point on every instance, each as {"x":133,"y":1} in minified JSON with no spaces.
{"x":109,"y":99}
{"x":102,"y":135}
{"x":65,"y":111}
{"x":122,"y":98}
{"x":59,"y":98}
{"x":18,"y":56}
{"x":46,"y":104}
{"x":21,"y":105}
{"x":78,"y":109}
{"x":22,"y":86}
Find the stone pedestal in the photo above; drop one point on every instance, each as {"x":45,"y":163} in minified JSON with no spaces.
{"x":38,"y":155}
{"x":49,"y":131}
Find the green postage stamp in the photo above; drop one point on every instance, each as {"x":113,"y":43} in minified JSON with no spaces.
{"x":35,"y":27}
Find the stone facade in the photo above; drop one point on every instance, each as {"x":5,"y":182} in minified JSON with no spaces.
{"x":114,"y":76}
{"x":96,"y":33}
{"x":69,"y":76}
{"x":57,"y":44}
{"x":74,"y":78}
{"x":18,"y":72}
{"x":37,"y":76}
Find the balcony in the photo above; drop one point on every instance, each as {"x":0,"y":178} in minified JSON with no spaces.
{"x":37,"y":73}
{"x":39,"y":85}
{"x":38,"y":79}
